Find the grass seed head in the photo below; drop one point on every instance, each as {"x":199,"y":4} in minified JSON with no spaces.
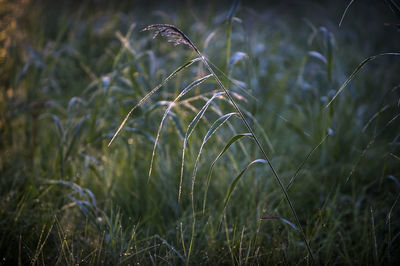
{"x":172,"y":33}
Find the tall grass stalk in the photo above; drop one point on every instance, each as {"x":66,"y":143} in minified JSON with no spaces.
{"x":175,"y":35}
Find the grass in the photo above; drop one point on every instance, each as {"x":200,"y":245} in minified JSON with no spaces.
{"x":186,"y":178}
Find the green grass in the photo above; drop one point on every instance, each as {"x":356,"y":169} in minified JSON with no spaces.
{"x":183,"y":181}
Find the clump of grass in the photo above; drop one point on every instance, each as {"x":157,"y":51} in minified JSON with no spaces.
{"x":176,"y":36}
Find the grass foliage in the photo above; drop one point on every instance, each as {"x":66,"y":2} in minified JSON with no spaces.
{"x":117,"y":148}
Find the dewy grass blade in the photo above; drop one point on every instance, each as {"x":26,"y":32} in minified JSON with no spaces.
{"x":141,"y":132}
{"x":178,"y":124}
{"x":305,"y":160}
{"x":369,"y":145}
{"x":375,"y":116}
{"x":358,"y":68}
{"x":282,"y":220}
{"x":329,"y":66}
{"x":58,"y":124}
{"x":238,"y":56}
{"x":71,"y":185}
{"x":191,"y":127}
{"x":344,"y":13}
{"x":75,"y":136}
{"x":217,"y":124}
{"x":229,"y":20}
{"x":230,"y":142}
{"x":318,"y":56}
{"x":184,"y":91}
{"x":147,"y":96}
{"x":236,"y":180}
{"x":193,"y":124}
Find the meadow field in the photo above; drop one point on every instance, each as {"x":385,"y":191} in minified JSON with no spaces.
{"x":227,"y":133}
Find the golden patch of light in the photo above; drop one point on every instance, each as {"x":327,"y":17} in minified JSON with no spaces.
{"x":10,"y":93}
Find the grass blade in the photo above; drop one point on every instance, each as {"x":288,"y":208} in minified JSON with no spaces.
{"x":329,"y":66}
{"x":71,"y":185}
{"x":217,"y":124}
{"x":147,"y":96}
{"x":395,"y":7}
{"x":178,"y":124}
{"x":75,"y":136}
{"x":141,"y":132}
{"x":344,"y":13}
{"x":58,"y":124}
{"x":282,"y":220}
{"x":193,"y":124}
{"x":233,"y":10}
{"x":191,"y":127}
{"x":230,"y":142}
{"x":238,"y":56}
{"x":305,"y":160}
{"x":374,"y":237}
{"x":236,"y":180}
{"x":317,"y":55}
{"x":358,"y":68}
{"x":184,"y":91}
